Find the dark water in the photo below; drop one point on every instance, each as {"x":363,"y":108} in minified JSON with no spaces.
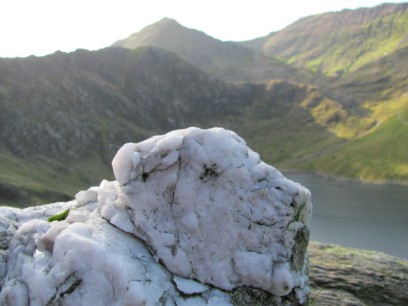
{"x":366,"y":216}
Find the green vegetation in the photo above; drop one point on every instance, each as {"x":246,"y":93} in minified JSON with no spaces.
{"x":313,"y":132}
{"x":336,"y":44}
{"x":41,"y":181}
{"x":366,"y":55}
{"x":64,"y":116}
{"x":378,"y":81}
{"x":379,"y":156}
{"x":59,"y":217}
{"x":280,"y":124}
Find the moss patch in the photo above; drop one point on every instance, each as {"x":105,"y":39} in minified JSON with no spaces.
{"x":59,"y":217}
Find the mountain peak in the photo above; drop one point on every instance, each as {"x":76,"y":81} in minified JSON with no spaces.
{"x":164,"y":24}
{"x":153,"y":34}
{"x":167,"y":25}
{"x":225,"y":60}
{"x":166,"y":20}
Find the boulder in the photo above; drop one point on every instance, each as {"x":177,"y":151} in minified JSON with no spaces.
{"x":211,"y":210}
{"x":193,"y":218}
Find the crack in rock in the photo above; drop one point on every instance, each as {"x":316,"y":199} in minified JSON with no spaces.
{"x":68,"y":287}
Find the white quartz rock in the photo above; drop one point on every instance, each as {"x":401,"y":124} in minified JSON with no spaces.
{"x":87,"y":196}
{"x":123,"y":163}
{"x":211,"y":210}
{"x":189,"y":286}
{"x":194,"y":218}
{"x":91,"y":263}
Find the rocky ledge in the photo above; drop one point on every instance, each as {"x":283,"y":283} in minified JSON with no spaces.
{"x":347,"y":276}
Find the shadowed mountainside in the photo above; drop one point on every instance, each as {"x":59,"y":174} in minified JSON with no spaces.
{"x":65,"y":115}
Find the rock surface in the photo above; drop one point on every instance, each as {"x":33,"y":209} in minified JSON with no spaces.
{"x":106,"y":251}
{"x":120,"y":268}
{"x":211,"y":210}
{"x":338,"y":275}
{"x":194,"y":218}
{"x":345,"y":276}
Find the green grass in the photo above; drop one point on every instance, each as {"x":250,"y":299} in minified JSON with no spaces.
{"x":384,"y":79}
{"x":285,"y":135}
{"x":381,"y":155}
{"x":41,"y":181}
{"x":370,"y":146}
{"x":335,"y":53}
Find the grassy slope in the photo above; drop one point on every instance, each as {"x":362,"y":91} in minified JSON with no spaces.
{"x":338,"y":43}
{"x":285,"y":145}
{"x":42,"y":181}
{"x":368,"y":49}
{"x":295,"y":126}
{"x":39,"y":180}
{"x":316,"y":133}
{"x":377,"y":147}
{"x":280,"y":124}
{"x":352,"y":54}
{"x":381,"y":155}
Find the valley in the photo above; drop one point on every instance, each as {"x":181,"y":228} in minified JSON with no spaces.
{"x":306,"y":98}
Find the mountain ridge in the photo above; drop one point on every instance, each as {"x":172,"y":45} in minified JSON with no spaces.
{"x":225,"y":60}
{"x":316,"y":41}
{"x":84,"y":104}
{"x":361,"y":66}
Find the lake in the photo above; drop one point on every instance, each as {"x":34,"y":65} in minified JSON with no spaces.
{"x":366,"y":216}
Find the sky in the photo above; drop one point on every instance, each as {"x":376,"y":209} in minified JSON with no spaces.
{"x":40,"y":27}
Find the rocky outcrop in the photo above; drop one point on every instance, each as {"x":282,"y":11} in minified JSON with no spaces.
{"x":338,"y":275}
{"x":346,"y":276}
{"x":194,"y":217}
{"x":211,"y":210}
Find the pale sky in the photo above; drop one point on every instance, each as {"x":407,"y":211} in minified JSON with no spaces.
{"x":40,"y":27}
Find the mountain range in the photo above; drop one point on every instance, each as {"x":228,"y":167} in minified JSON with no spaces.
{"x":225,"y":60}
{"x":326,"y":94}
